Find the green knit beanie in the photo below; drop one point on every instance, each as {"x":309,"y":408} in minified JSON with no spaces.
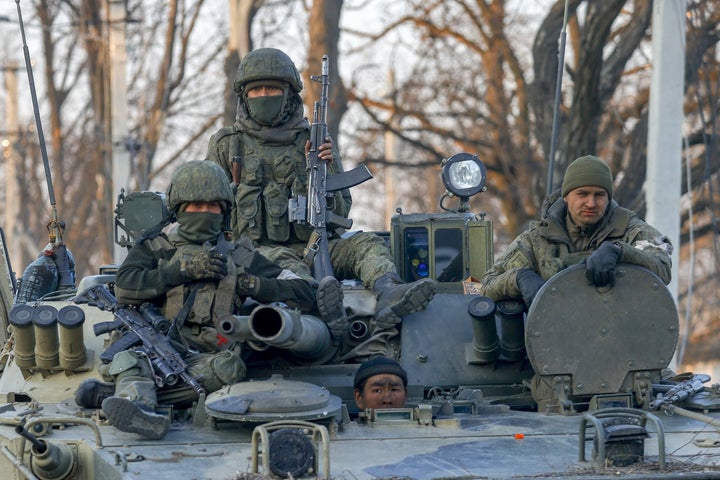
{"x":587,"y":171}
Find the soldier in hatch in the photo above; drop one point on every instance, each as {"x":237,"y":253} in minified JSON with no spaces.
{"x":380,"y":382}
{"x":269,"y":142}
{"x":580,"y":223}
{"x":194,"y":276}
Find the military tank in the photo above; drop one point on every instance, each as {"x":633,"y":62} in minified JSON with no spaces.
{"x":615,"y":409}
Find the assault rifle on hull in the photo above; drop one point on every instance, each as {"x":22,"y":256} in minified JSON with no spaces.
{"x":313,"y":208}
{"x":682,"y":391}
{"x":144,"y":330}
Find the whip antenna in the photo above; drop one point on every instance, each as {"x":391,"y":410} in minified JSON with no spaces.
{"x":556,"y":109}
{"x":56,"y":248}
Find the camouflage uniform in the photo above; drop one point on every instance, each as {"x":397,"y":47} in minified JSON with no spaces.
{"x":167,"y":270}
{"x":270,"y":152}
{"x":554,"y":243}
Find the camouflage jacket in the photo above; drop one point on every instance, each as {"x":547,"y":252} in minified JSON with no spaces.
{"x":143,"y":278}
{"x":272,"y":170}
{"x":547,"y":248}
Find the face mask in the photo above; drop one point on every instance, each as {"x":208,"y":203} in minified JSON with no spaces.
{"x":265,"y":110}
{"x":199,"y":227}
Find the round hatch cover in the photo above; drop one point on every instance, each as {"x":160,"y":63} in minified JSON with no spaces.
{"x":600,"y":334}
{"x":271,"y":400}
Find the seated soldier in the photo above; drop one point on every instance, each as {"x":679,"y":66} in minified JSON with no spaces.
{"x":195,"y":277}
{"x":380,"y":382}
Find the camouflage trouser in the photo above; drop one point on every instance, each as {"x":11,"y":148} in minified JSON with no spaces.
{"x":133,"y":374}
{"x":362,"y":256}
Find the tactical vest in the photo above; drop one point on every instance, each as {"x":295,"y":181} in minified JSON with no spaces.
{"x":270,"y":175}
{"x":212,"y":299}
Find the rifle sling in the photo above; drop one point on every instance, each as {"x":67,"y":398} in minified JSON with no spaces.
{"x":179,"y":320}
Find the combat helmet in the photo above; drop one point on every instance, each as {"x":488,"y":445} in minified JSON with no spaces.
{"x":267,"y":64}
{"x":199,"y":181}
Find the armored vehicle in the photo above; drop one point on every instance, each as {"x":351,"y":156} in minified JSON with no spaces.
{"x":614,"y":409}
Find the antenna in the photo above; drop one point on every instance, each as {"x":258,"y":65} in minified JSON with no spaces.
{"x":55,"y":228}
{"x":556,"y":108}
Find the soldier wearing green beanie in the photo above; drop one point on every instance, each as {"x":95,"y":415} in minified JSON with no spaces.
{"x":588,"y":171}
{"x":579,"y":223}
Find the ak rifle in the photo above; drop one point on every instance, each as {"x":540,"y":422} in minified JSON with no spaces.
{"x":316,"y":207}
{"x":144,"y":330}
{"x":684,"y":390}
{"x":681,"y":391}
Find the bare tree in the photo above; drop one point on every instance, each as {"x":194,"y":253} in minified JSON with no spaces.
{"x":324,"y":34}
{"x":240,"y":43}
{"x":171,"y":81}
{"x":76,"y":140}
{"x":167,"y":88}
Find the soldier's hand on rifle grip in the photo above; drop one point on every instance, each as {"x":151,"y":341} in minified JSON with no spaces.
{"x":324,"y":152}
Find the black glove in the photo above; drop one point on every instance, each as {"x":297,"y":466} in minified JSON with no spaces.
{"x":203,"y":265}
{"x":529,"y":282}
{"x":601,"y":264}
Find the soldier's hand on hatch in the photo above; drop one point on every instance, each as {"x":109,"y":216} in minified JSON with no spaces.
{"x":601,"y":264}
{"x":324,"y":152}
{"x":529,"y":282}
{"x":204,"y":265}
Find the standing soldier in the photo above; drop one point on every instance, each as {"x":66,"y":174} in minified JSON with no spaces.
{"x":264,"y":154}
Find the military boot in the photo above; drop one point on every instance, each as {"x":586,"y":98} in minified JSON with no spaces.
{"x":330,"y":299}
{"x":396,"y":299}
{"x":129,"y":416}
{"x":92,"y":392}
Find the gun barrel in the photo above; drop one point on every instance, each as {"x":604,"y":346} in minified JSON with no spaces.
{"x":235,"y":327}
{"x":39,"y":446}
{"x":305,"y":336}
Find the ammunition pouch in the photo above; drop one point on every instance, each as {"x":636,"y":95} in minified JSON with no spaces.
{"x":247,"y":215}
{"x":302,"y":231}
{"x":125,"y":362}
{"x":215,"y":370}
{"x":285,"y":168}
{"x":277,"y":222}
{"x":210,"y":296}
{"x":252,"y":170}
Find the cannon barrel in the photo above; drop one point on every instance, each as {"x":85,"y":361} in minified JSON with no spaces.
{"x":305,"y":336}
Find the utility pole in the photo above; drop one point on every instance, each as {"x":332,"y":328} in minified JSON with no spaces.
{"x":664,"y":144}
{"x":11,"y":158}
{"x":391,"y":157}
{"x":117,"y":13}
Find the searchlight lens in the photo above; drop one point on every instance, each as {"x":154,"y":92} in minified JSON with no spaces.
{"x":463,"y":174}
